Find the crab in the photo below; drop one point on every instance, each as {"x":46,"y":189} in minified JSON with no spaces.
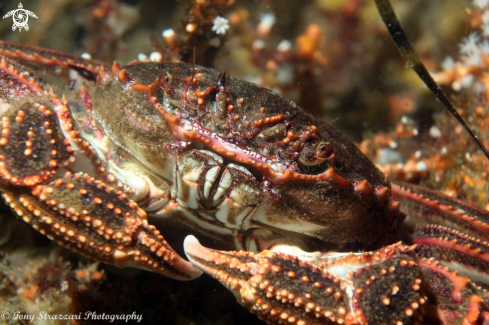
{"x":88,"y":151}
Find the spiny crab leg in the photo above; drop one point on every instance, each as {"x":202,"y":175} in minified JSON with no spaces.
{"x":424,"y":207}
{"x":468,"y":255}
{"x":389,"y":286}
{"x":452,"y":298}
{"x":93,"y":219}
{"x":46,"y":57}
{"x":38,"y":139}
{"x":442,"y":277}
{"x":366,"y":288}
{"x":53,"y":142}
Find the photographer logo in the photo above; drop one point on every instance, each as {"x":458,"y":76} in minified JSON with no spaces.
{"x":20,"y":17}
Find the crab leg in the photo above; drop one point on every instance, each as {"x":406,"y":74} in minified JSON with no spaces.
{"x":366,"y":288}
{"x":453,"y":298}
{"x":428,"y":207}
{"x":389,"y":286}
{"x":56,"y":68}
{"x":38,"y":139}
{"x":93,"y":219}
{"x":45,"y":57}
{"x":28,"y":155}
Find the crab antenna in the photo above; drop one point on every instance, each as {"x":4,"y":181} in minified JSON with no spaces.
{"x":193,"y":67}
{"x":326,"y":124}
{"x":413,"y":61}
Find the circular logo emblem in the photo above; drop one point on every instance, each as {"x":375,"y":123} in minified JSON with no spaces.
{"x":20,"y":17}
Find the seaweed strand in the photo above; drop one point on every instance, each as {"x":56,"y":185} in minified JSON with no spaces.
{"x":413,"y":61}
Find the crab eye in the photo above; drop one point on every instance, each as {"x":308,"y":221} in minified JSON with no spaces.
{"x":324,"y":150}
{"x":315,"y":153}
{"x":165,"y":80}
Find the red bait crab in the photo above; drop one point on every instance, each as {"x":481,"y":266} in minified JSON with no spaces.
{"x":88,"y":151}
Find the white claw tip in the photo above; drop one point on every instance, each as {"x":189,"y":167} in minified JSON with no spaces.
{"x":189,"y":243}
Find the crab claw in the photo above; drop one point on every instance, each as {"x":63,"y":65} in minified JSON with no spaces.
{"x":364,"y":288}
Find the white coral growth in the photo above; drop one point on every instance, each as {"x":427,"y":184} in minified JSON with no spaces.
{"x":448,"y":63}
{"x":266,"y":23}
{"x":481,"y":4}
{"x":471,"y":49}
{"x":469,"y":44}
{"x":485,"y":29}
{"x":221,"y":25}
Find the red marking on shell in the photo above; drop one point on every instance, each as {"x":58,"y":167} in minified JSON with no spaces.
{"x":292,"y":137}
{"x":149,"y":89}
{"x":123,"y":77}
{"x":474,"y":310}
{"x":204,"y":94}
{"x":382,"y":193}
{"x":273,"y":171}
{"x":337,"y":178}
{"x":270,"y":120}
{"x":363,"y":187}
{"x":116,"y":68}
{"x":393,"y":208}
